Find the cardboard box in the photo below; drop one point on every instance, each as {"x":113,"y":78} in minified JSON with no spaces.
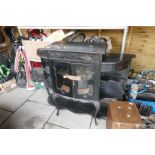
{"x":31,"y":46}
{"x":8,"y":86}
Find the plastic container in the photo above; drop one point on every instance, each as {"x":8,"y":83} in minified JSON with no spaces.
{"x":114,"y":65}
{"x":114,"y":75}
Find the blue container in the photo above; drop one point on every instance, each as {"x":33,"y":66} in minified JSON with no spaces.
{"x":147,"y":103}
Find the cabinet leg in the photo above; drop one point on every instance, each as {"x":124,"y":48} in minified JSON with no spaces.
{"x":95,"y":118}
{"x":57,"y":112}
{"x":97,"y":106}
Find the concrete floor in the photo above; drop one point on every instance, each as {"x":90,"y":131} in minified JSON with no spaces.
{"x":22,"y":109}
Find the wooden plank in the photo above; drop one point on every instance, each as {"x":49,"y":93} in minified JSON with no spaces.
{"x":143,"y":29}
{"x":144,"y":46}
{"x":140,"y":36}
{"x":142,"y":62}
{"x":144,"y":53}
{"x":143,"y":42}
{"x":112,"y":31}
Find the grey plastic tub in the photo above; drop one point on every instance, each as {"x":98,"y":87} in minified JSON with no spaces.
{"x":113,"y":65}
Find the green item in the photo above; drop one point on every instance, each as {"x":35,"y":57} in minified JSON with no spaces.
{"x":39,"y":85}
{"x":4,"y":71}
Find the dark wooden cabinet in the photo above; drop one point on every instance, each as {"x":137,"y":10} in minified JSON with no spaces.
{"x":72,"y":71}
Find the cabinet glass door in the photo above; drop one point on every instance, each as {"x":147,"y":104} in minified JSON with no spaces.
{"x":61,"y":84}
{"x":83,"y":82}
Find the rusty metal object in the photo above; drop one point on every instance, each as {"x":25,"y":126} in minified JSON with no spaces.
{"x":123,"y":115}
{"x":65,"y":88}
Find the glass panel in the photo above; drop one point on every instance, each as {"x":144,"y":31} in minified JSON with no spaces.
{"x":74,"y":80}
{"x":62,"y":84}
{"x":84,"y":87}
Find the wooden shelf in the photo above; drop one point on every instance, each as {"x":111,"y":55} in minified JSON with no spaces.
{"x":72,"y":27}
{"x":124,"y":28}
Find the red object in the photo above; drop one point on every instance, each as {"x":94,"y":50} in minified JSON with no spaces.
{"x":36,"y":34}
{"x":36,"y":64}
